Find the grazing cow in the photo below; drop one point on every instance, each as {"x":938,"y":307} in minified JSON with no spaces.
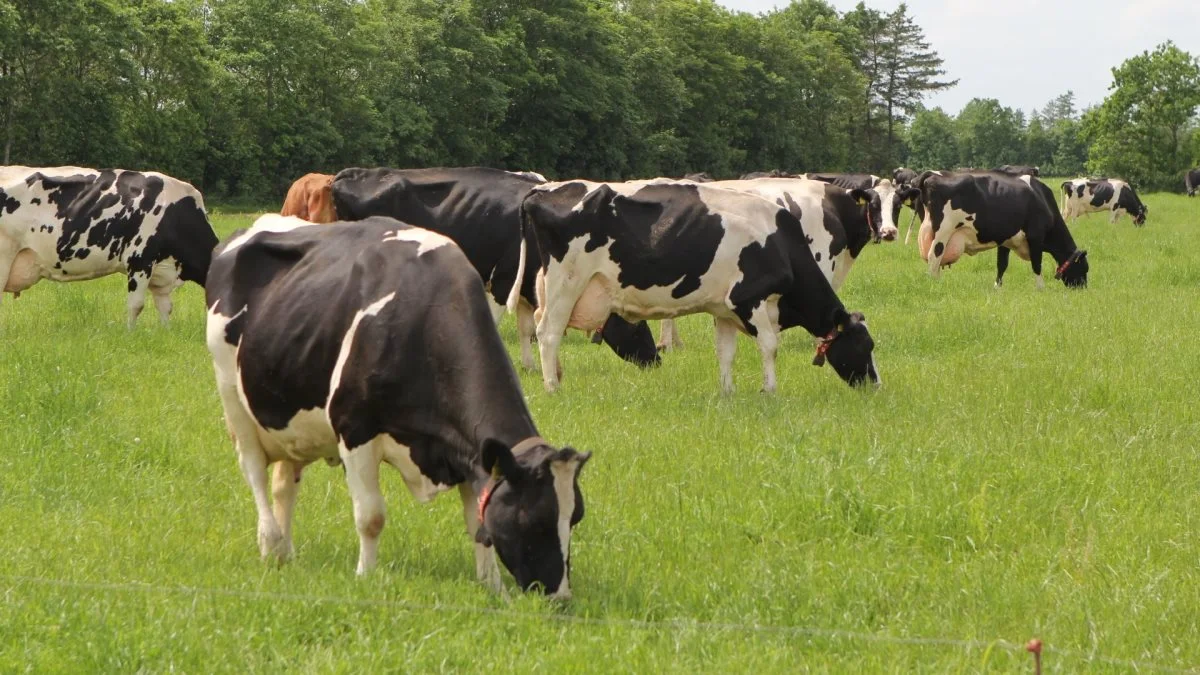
{"x":835,"y":221}
{"x":969,"y":213}
{"x":885,"y":198}
{"x":1192,"y":181}
{"x":479,"y":208}
{"x":310,"y":198}
{"x":70,"y":224}
{"x":1084,"y":195}
{"x":373,"y":342}
{"x":701,"y":177}
{"x":657,"y":251}
{"x":1018,"y":170}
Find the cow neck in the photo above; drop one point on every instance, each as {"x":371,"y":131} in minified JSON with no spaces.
{"x":1061,"y":246}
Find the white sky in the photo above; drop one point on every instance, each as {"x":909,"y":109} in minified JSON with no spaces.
{"x":1026,"y":52}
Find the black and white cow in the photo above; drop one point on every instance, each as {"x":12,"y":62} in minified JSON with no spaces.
{"x":973,"y":212}
{"x":478,"y":208}
{"x":657,"y":251}
{"x":773,"y":173}
{"x":68,"y":223}
{"x":1084,"y":195}
{"x":372,"y":342}
{"x":834,"y":220}
{"x":903,"y":177}
{"x":1192,"y":182}
{"x":1019,"y":170}
{"x":885,"y":198}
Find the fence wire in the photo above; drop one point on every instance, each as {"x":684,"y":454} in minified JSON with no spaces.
{"x":638,"y":624}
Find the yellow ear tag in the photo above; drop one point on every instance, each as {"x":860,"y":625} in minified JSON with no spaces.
{"x":496,"y":475}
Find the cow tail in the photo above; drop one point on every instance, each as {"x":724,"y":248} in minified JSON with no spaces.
{"x":514,"y":295}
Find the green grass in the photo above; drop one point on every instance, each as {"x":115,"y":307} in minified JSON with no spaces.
{"x":1029,"y":468}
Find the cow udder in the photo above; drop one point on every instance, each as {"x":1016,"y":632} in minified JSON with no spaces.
{"x":24,"y":273}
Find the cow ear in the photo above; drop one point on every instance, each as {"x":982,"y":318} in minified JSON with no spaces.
{"x":861,"y":196}
{"x":498,"y":460}
{"x":909,"y":195}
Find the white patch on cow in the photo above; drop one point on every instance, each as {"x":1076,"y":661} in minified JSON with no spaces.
{"x":400,"y":457}
{"x":348,"y":341}
{"x":428,"y":241}
{"x":887,"y":195}
{"x":951,"y":218}
{"x":809,"y":196}
{"x":533,"y":175}
{"x":271,"y":222}
{"x":564,"y":489}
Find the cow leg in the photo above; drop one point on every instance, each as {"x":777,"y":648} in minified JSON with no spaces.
{"x":726,"y":347}
{"x":668,"y":338}
{"x":487,"y":570}
{"x":1036,"y":246}
{"x":253,"y":462}
{"x":285,"y":484}
{"x":556,"y":314}
{"x":525,"y":330}
{"x":1001,"y":265}
{"x":138,"y":283}
{"x":362,"y":478}
{"x":765,"y":319}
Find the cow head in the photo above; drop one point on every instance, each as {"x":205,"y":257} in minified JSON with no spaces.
{"x":1139,"y":216}
{"x":849,"y":349}
{"x":1074,"y":270}
{"x":533,"y":502}
{"x":872,"y":209}
{"x":890,"y":198}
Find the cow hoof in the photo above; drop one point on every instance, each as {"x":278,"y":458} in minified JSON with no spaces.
{"x":272,"y":545}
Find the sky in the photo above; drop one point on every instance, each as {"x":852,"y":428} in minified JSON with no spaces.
{"x":1026,"y":52}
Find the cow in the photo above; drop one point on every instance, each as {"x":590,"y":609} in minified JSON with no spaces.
{"x":773,"y":173}
{"x":71,"y":223}
{"x":969,"y":213}
{"x":701,"y":177}
{"x":1019,"y":170}
{"x":310,"y":198}
{"x":373,"y":342}
{"x":1084,"y":195}
{"x":1192,"y":182}
{"x":665,"y":250}
{"x":836,"y":223}
{"x":478,"y":208}
{"x":886,"y":198}
{"x":903,"y":177}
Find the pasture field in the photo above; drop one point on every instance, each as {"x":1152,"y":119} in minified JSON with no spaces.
{"x":1030,"y":467}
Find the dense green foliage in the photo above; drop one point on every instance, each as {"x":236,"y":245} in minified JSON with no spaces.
{"x":240,"y":97}
{"x":1028,"y":468}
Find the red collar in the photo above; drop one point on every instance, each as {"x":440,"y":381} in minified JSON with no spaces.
{"x":486,"y":496}
{"x":823,"y":346}
{"x":1063,"y":267}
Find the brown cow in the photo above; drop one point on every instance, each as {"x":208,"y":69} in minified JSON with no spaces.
{"x":310,"y":198}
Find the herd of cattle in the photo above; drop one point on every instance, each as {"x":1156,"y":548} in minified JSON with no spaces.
{"x":358,"y":326}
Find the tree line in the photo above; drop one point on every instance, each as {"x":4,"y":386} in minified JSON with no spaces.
{"x":240,"y":97}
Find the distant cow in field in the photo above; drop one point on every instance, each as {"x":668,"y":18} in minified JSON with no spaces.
{"x":373,"y":342}
{"x":1086,"y":195}
{"x":657,"y":251}
{"x":903,"y":177}
{"x":310,"y":198}
{"x":1019,"y":170}
{"x":970,"y":213}
{"x":70,"y":224}
{"x":1192,"y":181}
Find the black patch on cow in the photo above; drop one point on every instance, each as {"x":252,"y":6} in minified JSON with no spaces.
{"x":1102,"y":191}
{"x":157,"y":209}
{"x":8,"y":203}
{"x":82,"y":253}
{"x":817,"y":256}
{"x":938,"y":248}
{"x":36,"y":201}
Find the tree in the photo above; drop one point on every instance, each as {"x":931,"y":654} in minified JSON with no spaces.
{"x":989,"y":134}
{"x":901,"y":71}
{"x":931,"y":140}
{"x":1140,"y":132}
